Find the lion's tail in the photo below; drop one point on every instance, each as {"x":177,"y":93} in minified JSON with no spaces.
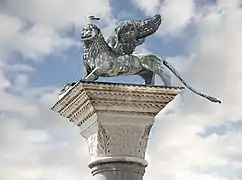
{"x":210,"y":98}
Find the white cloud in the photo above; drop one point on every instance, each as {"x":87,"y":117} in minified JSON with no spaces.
{"x":37,"y":144}
{"x":58,"y":13}
{"x":3,"y":81}
{"x":214,"y":67}
{"x":41,"y":40}
{"x":149,"y":7}
{"x":35,"y":28}
{"x":176,"y":15}
{"x":9,"y":29}
{"x":32,"y":43}
{"x":19,"y":68}
{"x":34,"y":139}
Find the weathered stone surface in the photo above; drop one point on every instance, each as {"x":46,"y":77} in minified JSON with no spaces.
{"x":116,"y":120}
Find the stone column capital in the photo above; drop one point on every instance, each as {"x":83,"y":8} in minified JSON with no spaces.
{"x":115,"y":119}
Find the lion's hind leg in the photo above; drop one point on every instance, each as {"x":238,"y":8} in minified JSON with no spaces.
{"x":154,"y":64}
{"x":148,"y":76}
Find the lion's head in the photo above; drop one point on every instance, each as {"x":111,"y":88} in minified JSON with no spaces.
{"x":89,"y":32}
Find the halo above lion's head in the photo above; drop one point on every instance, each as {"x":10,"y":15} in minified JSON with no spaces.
{"x":89,"y":32}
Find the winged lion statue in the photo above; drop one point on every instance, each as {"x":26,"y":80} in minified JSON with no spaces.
{"x":115,"y":56}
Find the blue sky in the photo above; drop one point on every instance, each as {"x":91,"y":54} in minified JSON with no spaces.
{"x":40,"y":51}
{"x":57,"y":69}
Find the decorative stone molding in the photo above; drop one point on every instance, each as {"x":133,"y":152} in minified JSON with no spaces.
{"x":115,"y":119}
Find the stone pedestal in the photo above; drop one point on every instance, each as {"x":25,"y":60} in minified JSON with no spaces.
{"x":116,"y":120}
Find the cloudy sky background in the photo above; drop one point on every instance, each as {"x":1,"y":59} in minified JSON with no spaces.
{"x":192,"y":138}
